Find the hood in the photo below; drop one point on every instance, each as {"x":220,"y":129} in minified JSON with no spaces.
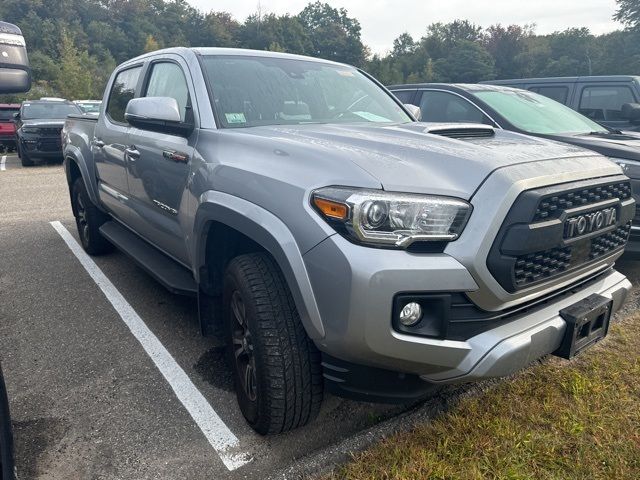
{"x":625,"y":145}
{"x":406,"y":158}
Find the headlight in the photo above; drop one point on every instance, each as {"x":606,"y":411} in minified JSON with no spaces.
{"x":380,"y":218}
{"x":631,"y":168}
{"x":29,"y":130}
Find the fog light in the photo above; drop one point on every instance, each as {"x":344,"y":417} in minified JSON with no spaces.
{"x":410,"y":314}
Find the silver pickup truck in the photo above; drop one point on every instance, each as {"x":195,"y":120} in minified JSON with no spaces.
{"x":333,"y":240}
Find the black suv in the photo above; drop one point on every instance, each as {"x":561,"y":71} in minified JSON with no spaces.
{"x":532,"y":114}
{"x":38,"y":127}
{"x":610,"y":100}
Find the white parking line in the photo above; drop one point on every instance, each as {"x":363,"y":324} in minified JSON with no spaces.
{"x":3,"y":162}
{"x":217,"y":433}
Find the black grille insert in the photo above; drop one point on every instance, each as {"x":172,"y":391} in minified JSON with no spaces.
{"x":533,"y":245}
{"x":553,"y":206}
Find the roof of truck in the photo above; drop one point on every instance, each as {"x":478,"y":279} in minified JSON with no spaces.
{"x":232,"y":52}
{"x":588,"y":78}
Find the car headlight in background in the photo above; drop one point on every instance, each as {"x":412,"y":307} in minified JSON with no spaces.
{"x":380,"y":218}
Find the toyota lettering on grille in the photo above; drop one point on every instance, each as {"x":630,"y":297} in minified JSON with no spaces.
{"x":590,"y":222}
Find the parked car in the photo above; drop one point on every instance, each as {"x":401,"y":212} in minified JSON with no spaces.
{"x":609,"y":100}
{"x":89,"y":106}
{"x":7,"y":127}
{"x":15,"y":77}
{"x":38,"y":127}
{"x":532,"y":114}
{"x":333,"y":239}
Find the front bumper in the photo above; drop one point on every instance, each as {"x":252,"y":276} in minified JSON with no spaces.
{"x":355,"y":286}
{"x":41,"y":147}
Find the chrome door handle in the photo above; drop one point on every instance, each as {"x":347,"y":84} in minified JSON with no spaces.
{"x":132,"y":153}
{"x":98,"y":143}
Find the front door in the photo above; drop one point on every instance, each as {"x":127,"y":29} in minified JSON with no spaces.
{"x":158,"y":166}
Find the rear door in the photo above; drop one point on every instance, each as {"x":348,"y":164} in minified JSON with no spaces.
{"x":603,"y":102}
{"x":158,"y":166}
{"x":110,"y":141}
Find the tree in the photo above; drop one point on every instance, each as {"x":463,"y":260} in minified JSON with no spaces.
{"x":628,"y":13}
{"x":467,"y":62}
{"x":151,"y":45}
{"x":333,"y":34}
{"x":507,"y":45}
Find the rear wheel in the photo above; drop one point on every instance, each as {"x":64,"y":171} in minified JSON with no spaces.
{"x":275,"y":364}
{"x":88,"y":220}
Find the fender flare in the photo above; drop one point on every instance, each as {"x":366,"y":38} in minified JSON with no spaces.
{"x":73,"y":153}
{"x":273,"y":235}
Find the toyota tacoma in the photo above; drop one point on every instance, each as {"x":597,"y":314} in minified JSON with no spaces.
{"x":335,"y":242}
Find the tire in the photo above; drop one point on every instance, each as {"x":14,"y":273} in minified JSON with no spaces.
{"x":88,"y":220}
{"x":25,"y":159}
{"x":7,"y":465}
{"x":276,"y":367}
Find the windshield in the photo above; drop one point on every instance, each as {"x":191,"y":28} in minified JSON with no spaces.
{"x":252,"y":91}
{"x":48,"y":110}
{"x":535,"y":113}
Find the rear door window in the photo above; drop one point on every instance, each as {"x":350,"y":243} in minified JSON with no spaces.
{"x":405,"y":96}
{"x":440,"y":106}
{"x":605,"y":102}
{"x":122,"y":90}
{"x":557,"y":92}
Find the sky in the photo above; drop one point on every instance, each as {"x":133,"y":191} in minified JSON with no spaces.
{"x":384,"y":20}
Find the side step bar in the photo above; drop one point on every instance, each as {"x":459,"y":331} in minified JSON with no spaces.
{"x":173,"y":276}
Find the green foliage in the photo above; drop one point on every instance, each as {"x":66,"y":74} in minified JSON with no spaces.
{"x":628,"y":12}
{"x":73,"y":55}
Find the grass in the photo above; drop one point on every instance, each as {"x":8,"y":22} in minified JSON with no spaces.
{"x":555,"y":420}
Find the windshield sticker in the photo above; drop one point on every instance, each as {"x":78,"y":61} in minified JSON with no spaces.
{"x":235,"y":118}
{"x":27,"y":104}
{"x":345,"y":73}
{"x":371,"y":117}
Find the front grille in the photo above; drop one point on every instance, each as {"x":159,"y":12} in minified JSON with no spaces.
{"x":538,"y":242}
{"x":609,"y":242}
{"x":636,"y":219}
{"x":539,"y":265}
{"x":551,"y":207}
{"x":51,"y":131}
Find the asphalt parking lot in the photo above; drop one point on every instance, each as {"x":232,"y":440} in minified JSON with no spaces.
{"x":87,"y":400}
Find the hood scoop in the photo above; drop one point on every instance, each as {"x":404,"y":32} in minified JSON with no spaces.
{"x":460,"y":130}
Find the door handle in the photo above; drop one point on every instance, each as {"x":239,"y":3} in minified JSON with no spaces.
{"x":98,"y":143}
{"x":132,"y":153}
{"x":175,"y":156}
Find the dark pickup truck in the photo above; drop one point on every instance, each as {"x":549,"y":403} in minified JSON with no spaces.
{"x":334,"y":241}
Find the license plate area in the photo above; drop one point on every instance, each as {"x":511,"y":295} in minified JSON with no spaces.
{"x":587,"y":323}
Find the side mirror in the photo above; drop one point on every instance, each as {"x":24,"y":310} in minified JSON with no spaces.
{"x":16,"y":116}
{"x":15,"y":74}
{"x":413,"y":110}
{"x":158,"y":114}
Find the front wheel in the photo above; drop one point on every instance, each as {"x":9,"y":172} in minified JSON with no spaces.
{"x":88,"y":220}
{"x":25,"y":159}
{"x":275,"y":364}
